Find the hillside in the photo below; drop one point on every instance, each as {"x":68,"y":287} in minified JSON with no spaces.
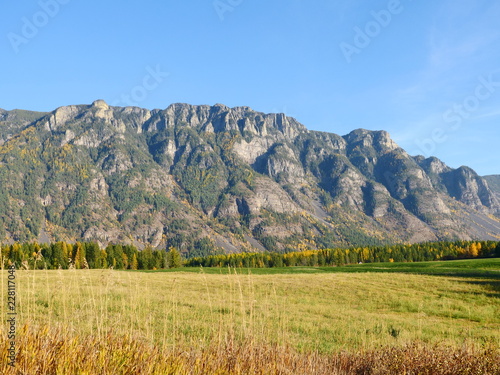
{"x":205,"y":178}
{"x":494,"y":184}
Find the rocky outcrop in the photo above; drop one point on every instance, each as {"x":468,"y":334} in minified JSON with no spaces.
{"x":463,"y":184}
{"x":493,"y":183}
{"x":468,"y":187}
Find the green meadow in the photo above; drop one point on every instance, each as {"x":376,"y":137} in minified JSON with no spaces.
{"x":325,"y":310}
{"x":310,"y":308}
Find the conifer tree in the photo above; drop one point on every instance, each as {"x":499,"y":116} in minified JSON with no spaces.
{"x":134,"y":264}
{"x":174,"y":258}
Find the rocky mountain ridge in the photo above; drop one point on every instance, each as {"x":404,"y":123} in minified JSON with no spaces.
{"x":213,"y":178}
{"x":494,"y":184}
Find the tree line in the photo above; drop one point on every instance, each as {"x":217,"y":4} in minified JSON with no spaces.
{"x":430,"y":251}
{"x":81,"y":255}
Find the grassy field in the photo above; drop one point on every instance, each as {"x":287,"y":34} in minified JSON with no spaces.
{"x":370,"y":308}
{"x":489,"y":268}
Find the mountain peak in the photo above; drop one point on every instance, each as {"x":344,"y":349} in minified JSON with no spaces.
{"x":221,"y":106}
{"x":100,"y":104}
{"x":379,"y":139}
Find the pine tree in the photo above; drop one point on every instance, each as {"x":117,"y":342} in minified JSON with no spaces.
{"x":174,"y":258}
{"x":134,"y":264}
{"x":79,"y":256}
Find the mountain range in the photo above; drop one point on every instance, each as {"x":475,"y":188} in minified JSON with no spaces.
{"x":211,"y":179}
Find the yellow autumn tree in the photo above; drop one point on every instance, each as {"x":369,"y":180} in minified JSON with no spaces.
{"x":474,"y":249}
{"x":134,"y":264}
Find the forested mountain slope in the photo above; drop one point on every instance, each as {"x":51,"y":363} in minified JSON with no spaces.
{"x":203,"y":178}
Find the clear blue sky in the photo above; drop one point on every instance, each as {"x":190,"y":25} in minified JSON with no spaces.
{"x":427,"y":72}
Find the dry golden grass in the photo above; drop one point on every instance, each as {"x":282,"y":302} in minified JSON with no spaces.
{"x":115,"y":322}
{"x":56,"y":351}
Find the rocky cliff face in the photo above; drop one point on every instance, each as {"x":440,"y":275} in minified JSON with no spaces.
{"x":494,"y":184}
{"x":204,"y":178}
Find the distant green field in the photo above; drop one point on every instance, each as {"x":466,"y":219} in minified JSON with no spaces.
{"x":483,"y":268}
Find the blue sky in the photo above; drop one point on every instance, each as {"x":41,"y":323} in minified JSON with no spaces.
{"x":427,"y":72}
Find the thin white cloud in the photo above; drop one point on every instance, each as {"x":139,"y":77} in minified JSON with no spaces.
{"x":417,"y":129}
{"x":488,"y":114}
{"x":461,"y":42}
